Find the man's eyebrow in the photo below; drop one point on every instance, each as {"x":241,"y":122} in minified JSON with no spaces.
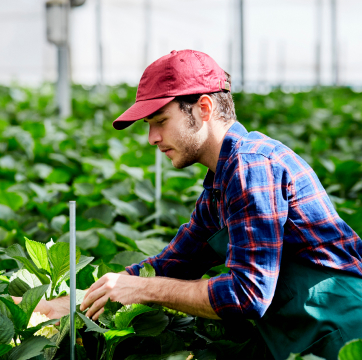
{"x":156,"y":113}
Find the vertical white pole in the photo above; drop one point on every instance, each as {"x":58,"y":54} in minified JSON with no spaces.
{"x":318,"y":49}
{"x":147,"y":35}
{"x":72,"y":250}
{"x":242,"y":83}
{"x":63,"y":86}
{"x":63,"y":83}
{"x":99,"y":45}
{"x":334,"y":42}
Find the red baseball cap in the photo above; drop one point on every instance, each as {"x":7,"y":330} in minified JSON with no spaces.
{"x":179,"y":73}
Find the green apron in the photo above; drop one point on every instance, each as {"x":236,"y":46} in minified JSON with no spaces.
{"x":314,"y":309}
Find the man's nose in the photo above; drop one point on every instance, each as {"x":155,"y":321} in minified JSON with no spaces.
{"x":154,"y":136}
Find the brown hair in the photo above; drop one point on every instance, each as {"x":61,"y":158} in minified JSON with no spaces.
{"x":225,"y":108}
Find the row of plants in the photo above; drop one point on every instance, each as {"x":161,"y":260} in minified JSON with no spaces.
{"x":130,"y":332}
{"x":46,"y":162}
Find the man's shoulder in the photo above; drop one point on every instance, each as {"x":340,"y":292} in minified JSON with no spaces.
{"x":256,"y":143}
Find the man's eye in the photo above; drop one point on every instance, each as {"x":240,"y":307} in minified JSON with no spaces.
{"x":161,"y":122}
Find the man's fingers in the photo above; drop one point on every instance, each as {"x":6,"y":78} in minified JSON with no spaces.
{"x":96,"y":315}
{"x":92,"y":297}
{"x":97,"y":305}
{"x":94,"y":286}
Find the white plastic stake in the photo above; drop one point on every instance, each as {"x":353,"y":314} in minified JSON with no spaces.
{"x":72,"y":251}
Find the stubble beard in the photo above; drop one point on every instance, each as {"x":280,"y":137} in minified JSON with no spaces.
{"x":189,"y":145}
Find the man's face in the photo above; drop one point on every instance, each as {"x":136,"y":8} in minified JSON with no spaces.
{"x":171,"y":130}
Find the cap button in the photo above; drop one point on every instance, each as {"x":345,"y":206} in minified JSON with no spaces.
{"x":173,"y":52}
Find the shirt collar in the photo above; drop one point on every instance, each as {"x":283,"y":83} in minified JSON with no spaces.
{"x":233,"y":135}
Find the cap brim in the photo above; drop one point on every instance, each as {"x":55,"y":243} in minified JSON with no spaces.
{"x":140,"y":110}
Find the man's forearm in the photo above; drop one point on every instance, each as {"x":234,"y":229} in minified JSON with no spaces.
{"x":189,"y":296}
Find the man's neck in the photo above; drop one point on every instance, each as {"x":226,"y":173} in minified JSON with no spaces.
{"x":212,"y":149}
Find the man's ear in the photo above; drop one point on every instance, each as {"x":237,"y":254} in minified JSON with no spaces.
{"x":205,"y":107}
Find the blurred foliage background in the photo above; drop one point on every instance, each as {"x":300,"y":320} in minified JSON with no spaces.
{"x":46,"y":161}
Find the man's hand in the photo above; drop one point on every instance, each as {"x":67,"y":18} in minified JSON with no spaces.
{"x":189,"y":296}
{"x":116,"y":287}
{"x":53,"y":309}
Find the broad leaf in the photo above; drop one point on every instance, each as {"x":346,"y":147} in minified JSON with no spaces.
{"x":103,"y":269}
{"x":27,"y":277}
{"x":15,"y":250}
{"x":31,"y":299}
{"x":31,"y":267}
{"x":32,"y":330}
{"x":7,"y":330}
{"x":112,"y":306}
{"x":18,"y":287}
{"x":151,"y":247}
{"x":17,"y":314}
{"x":111,"y":334}
{"x":128,"y":312}
{"x":127,"y":258}
{"x":83,"y":262}
{"x":31,"y":347}
{"x":85,"y":277}
{"x":59,"y":258}
{"x":351,"y":350}
{"x":4,"y":349}
{"x":91,"y":325}
{"x":38,"y":253}
{"x":147,"y":270}
{"x":150,"y":324}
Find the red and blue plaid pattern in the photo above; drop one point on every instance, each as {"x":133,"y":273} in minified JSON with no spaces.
{"x":272,"y":203}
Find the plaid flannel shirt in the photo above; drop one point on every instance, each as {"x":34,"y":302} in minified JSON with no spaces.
{"x":272,"y":203}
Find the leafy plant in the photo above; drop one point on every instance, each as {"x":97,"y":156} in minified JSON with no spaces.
{"x":48,"y":265}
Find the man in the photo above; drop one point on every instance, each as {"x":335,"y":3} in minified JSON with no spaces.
{"x":295,"y":265}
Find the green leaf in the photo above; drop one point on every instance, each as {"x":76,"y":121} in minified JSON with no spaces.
{"x":85,"y":277}
{"x":59,"y":258}
{"x":151,"y":247}
{"x":32,"y":330}
{"x":104,"y":213}
{"x":18,"y":287}
{"x":15,"y":250}
{"x":145,"y":190}
{"x":150,"y":324}
{"x":112,"y":306}
{"x":4,"y":349}
{"x":91,"y":325}
{"x":83,"y":262}
{"x":7,"y":330}
{"x":111,"y":334}
{"x":85,"y":239}
{"x":38,"y":253}
{"x":126,"y":230}
{"x":6,"y":213}
{"x":14,"y":201}
{"x":103,"y":269}
{"x":127,"y":313}
{"x":27,"y":277}
{"x":127,"y":258}
{"x":31,"y":347}
{"x":31,"y":267}
{"x":351,"y":350}
{"x":147,"y":270}
{"x":31,"y":299}
{"x":17,"y":314}
{"x":64,"y":328}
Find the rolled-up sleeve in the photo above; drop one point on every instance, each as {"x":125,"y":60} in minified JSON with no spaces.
{"x":257,"y":209}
